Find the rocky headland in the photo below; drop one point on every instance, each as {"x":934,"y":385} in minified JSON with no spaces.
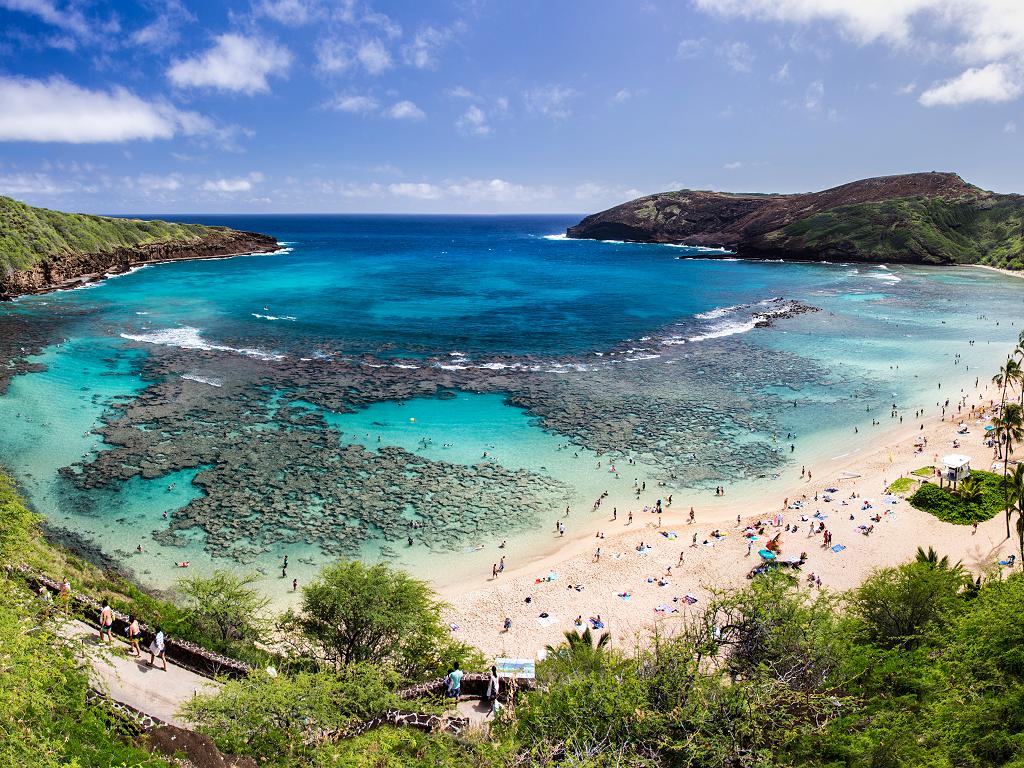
{"x":43,"y":250}
{"x":918,"y":218}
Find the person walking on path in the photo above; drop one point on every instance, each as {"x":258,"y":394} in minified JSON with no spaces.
{"x":157,"y":649}
{"x":493,"y":688}
{"x":453,"y":681}
{"x":65,"y":595}
{"x":133,"y":631}
{"x":106,"y":622}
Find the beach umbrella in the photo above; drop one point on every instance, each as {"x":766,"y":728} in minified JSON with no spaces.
{"x":766,"y":554}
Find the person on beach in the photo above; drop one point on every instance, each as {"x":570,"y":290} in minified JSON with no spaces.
{"x":158,"y":649}
{"x":133,"y":632}
{"x":65,"y":595}
{"x":494,"y":571}
{"x":106,"y":622}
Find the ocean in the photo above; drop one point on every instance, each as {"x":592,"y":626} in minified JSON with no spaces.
{"x":421,"y":389}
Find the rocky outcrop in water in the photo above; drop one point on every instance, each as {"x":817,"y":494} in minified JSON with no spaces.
{"x":917,"y":218}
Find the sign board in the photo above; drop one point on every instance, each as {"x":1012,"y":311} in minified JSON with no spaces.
{"x":521,"y":669}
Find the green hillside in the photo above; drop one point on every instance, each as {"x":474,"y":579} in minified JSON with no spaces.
{"x":937,"y":230}
{"x":28,"y":234}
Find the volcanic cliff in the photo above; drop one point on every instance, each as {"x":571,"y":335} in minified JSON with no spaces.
{"x":43,"y":250}
{"x":918,"y":218}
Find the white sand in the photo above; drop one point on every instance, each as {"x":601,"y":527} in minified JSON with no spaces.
{"x":479,"y":608}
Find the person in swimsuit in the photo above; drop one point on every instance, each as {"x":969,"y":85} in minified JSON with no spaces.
{"x":106,"y":622}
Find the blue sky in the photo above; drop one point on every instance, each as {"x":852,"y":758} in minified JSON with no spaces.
{"x":480,"y":106}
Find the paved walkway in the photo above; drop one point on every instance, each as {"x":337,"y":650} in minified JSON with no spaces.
{"x":131,"y":680}
{"x":477,"y":710}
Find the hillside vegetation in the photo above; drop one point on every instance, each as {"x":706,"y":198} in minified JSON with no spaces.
{"x":29,"y":235}
{"x":919,"y":218}
{"x":919,"y":666}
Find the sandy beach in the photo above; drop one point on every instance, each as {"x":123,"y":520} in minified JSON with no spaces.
{"x":659,"y":579}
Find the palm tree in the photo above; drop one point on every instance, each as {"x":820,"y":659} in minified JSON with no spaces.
{"x":932,"y":560}
{"x":1009,"y":430}
{"x":970,"y":491}
{"x":579,"y":653}
{"x":1015,"y":493}
{"x":1009,"y":373}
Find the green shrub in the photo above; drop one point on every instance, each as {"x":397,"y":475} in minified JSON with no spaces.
{"x":950,"y":508}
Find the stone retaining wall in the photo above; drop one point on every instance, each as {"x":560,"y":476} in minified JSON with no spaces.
{"x":192,"y":657}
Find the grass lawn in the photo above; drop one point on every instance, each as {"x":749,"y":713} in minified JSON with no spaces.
{"x":902,"y":485}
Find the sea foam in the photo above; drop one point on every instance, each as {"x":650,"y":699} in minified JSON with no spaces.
{"x":187,"y":337}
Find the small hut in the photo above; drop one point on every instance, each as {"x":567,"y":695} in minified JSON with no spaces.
{"x":956,"y":467}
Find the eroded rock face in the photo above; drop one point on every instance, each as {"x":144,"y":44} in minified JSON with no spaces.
{"x":68,"y":269}
{"x":927,"y":218}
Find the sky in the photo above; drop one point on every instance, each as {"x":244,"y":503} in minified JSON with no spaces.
{"x":480,"y":106}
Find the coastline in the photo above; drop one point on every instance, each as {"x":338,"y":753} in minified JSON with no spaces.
{"x":121,"y":261}
{"x":1001,"y":270}
{"x":479,"y":606}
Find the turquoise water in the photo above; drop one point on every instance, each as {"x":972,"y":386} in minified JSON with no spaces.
{"x":567,"y":369}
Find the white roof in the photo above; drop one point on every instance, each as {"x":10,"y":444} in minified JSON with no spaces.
{"x":956,"y":460}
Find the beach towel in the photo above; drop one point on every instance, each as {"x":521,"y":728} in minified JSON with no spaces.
{"x":838,"y":548}
{"x":690,"y":598}
{"x":623,"y":595}
{"x":666,"y":609}
{"x":596,"y":624}
{"x":546,"y":621}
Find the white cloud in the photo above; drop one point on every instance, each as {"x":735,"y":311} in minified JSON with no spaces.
{"x":622,"y":95}
{"x":333,"y":56}
{"x":232,"y":186}
{"x":162,"y":32}
{"x":34,"y":184}
{"x":234,"y":63}
{"x":906,"y":90}
{"x":374,"y":57}
{"x":354,"y":104}
{"x":473,"y":122}
{"x":168,"y":183}
{"x":814,"y":95}
{"x":406,"y":110}
{"x":460,"y":92}
{"x":988,"y":35}
{"x":422,"y":51}
{"x":550,"y":101}
{"x":68,"y":19}
{"x":473,"y":190}
{"x":419,"y":191}
{"x":738,"y":56}
{"x":59,"y":111}
{"x":383,"y":22}
{"x":864,"y":20}
{"x":782,"y":74}
{"x":1010,"y":127}
{"x":291,"y":13}
{"x":689,"y":48}
{"x":994,"y":82}
{"x":734,"y":165}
